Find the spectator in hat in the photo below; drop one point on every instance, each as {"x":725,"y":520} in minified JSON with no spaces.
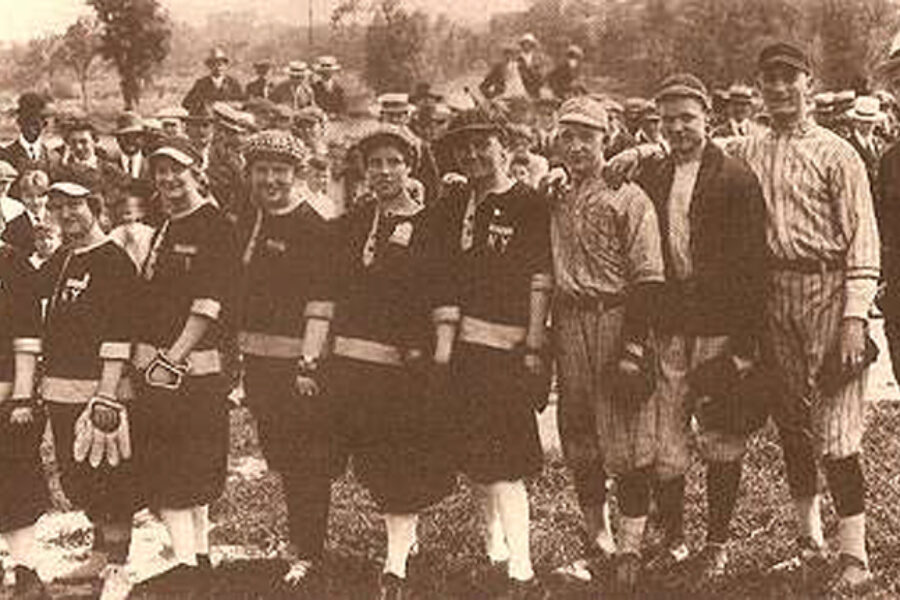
{"x":565,"y":79}
{"x":173,"y":120}
{"x":634,"y":107}
{"x":296,"y":90}
{"x":531,"y":65}
{"x":425,"y":102}
{"x":842,"y":122}
{"x":308,"y":125}
{"x":215,"y":87}
{"x":129,"y":134}
{"x":81,"y":148}
{"x":261,"y":87}
{"x":29,"y":150}
{"x":200,"y":129}
{"x":740,"y":113}
{"x":650,"y":127}
{"x":226,"y":168}
{"x":619,"y":136}
{"x":328,"y":93}
{"x":505,"y":79}
{"x":865,"y":116}
{"x":823,"y":109}
{"x":16,"y":227}
{"x":395,"y":108}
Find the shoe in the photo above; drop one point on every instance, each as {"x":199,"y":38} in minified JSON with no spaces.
{"x":531,"y":589}
{"x":671,"y":556}
{"x":813,"y":558}
{"x":117,"y":584}
{"x":28,"y":585}
{"x":714,"y":561}
{"x":627,"y":573}
{"x":853,"y":578}
{"x":179,"y":580}
{"x":391,"y":587}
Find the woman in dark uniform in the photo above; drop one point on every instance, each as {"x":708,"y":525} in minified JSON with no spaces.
{"x":286,"y":309}
{"x":90,"y":284}
{"x":501,"y":252}
{"x":393,"y":329}
{"x":181,"y":405}
{"x":23,"y":494}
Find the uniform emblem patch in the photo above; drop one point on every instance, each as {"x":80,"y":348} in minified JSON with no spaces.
{"x":402,"y":234}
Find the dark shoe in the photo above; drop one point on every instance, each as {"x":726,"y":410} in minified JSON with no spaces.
{"x":813,"y":562}
{"x":627,"y":573}
{"x":28,"y":585}
{"x":532,"y":589}
{"x":179,"y":581}
{"x":391,"y":587}
{"x":853,"y":578}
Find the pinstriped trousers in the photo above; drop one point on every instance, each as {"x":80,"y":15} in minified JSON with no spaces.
{"x":592,"y":426}
{"x":677,"y":355}
{"x":803,"y":318}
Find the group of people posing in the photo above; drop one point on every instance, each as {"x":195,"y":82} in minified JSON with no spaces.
{"x":695,"y":288}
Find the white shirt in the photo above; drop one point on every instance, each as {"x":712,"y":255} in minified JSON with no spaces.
{"x":679,"y":223}
{"x":33,"y":150}
{"x":132,"y":164}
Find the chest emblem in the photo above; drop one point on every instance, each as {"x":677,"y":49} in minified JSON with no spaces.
{"x":402,"y":234}
{"x":499,"y":233}
{"x":75,"y":287}
{"x":276,"y":246}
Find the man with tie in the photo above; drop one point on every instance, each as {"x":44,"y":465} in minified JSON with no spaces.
{"x":29,"y":151}
{"x":295,"y":91}
{"x":864,"y":116}
{"x":129,"y":136}
{"x":215,"y":87}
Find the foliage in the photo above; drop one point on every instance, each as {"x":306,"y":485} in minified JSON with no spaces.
{"x":80,"y":46}
{"x":395,"y":41}
{"x":135,"y":38}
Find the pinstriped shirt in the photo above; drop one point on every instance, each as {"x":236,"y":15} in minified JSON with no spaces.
{"x":818,"y":199}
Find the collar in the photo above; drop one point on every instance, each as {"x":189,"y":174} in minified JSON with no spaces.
{"x":798,"y":129}
{"x":34,"y":148}
{"x":186,"y":213}
{"x":85,"y":249}
{"x":217,"y":81}
{"x":299,"y":194}
{"x":404,"y":205}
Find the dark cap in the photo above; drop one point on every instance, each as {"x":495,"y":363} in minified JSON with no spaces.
{"x":32,"y":104}
{"x":471,"y":121}
{"x":393,"y":134}
{"x":784,"y":53}
{"x":683,"y":85}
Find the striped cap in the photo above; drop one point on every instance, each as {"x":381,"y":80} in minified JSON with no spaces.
{"x":583,"y":110}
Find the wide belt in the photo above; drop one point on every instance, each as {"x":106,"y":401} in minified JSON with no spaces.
{"x":269,"y":345}
{"x":5,"y":390}
{"x":492,"y":335}
{"x":807,"y":266}
{"x":202,"y":362}
{"x":79,"y":391}
{"x":368,"y":351}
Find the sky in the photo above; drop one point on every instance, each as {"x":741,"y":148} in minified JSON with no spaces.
{"x":27,"y":18}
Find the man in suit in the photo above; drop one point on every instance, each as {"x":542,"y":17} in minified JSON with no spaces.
{"x":129,"y":134}
{"x":864,"y":116}
{"x":215,"y":87}
{"x":261,"y":87}
{"x":328,"y":93}
{"x":295,"y":91}
{"x":564,"y":80}
{"x":740,"y":113}
{"x":29,"y":151}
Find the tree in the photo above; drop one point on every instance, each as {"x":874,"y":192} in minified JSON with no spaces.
{"x":80,"y":46}
{"x":135,"y":38}
{"x":36,"y":65}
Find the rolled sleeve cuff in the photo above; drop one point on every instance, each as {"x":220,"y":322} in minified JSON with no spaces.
{"x":206,"y":307}
{"x":541,"y":282}
{"x":115,"y":351}
{"x":27,"y":345}
{"x":859,"y":294}
{"x":319,"y":309}
{"x":446,"y":314}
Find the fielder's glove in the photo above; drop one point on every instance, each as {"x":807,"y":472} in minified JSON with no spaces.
{"x":165,"y":373}
{"x":631,"y":377}
{"x":101,"y":431}
{"x":834,"y":374}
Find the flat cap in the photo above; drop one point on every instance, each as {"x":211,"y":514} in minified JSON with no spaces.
{"x":231,"y":118}
{"x":683,"y":85}
{"x":740,"y":93}
{"x":179,"y":149}
{"x":7,"y":171}
{"x":586,"y":111}
{"x":397,"y":135}
{"x":469,"y":121}
{"x":784,"y":53}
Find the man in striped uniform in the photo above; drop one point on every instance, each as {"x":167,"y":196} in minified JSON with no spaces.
{"x":824,"y":255}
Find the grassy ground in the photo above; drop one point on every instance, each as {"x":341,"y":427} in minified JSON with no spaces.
{"x":450,"y":564}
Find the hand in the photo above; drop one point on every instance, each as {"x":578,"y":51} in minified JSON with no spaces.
{"x":555,"y":183}
{"x":454,"y":179}
{"x":621,"y":168}
{"x":21,"y":415}
{"x":102,"y":431}
{"x":106,"y":414}
{"x":852,"y":343}
{"x":306,"y":386}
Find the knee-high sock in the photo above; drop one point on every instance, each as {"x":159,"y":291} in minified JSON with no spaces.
{"x":494,"y":537}
{"x":600,"y":528}
{"x":200,"y":516}
{"x":848,"y":488}
{"x":670,"y":505}
{"x":631,"y":534}
{"x":116,"y":541}
{"x":809,"y":518}
{"x":401,"y":535}
{"x":723,"y":480}
{"x":852,"y":537}
{"x":512,"y":504}
{"x":180,"y":524}
{"x":22,"y":546}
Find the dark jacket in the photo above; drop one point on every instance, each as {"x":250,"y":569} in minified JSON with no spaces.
{"x":564,"y":81}
{"x":331,"y":100}
{"x":887,"y":212}
{"x":260,"y":88}
{"x":725,"y":295}
{"x":205,"y":93}
{"x":494,"y":84}
{"x":870,"y":158}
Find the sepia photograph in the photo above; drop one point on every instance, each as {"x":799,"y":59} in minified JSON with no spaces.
{"x":468,"y":300}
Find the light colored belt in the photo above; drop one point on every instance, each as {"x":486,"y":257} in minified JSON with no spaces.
{"x":79,"y":391}
{"x":5,"y":390}
{"x":492,"y":335}
{"x":368,"y":351}
{"x":270,"y":346}
{"x":202,"y":362}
